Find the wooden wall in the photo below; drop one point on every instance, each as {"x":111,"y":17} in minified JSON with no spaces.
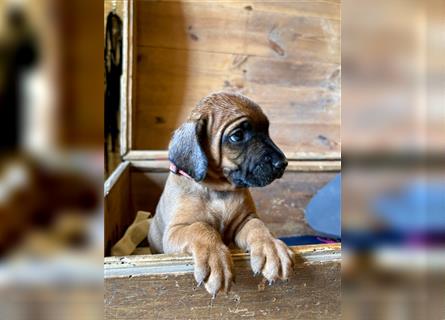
{"x":283,"y":54}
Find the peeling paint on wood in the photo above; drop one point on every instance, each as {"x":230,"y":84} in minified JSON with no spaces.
{"x":313,"y":291}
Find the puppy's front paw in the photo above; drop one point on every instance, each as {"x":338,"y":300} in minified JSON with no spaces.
{"x":272,"y":258}
{"x":213,"y":267}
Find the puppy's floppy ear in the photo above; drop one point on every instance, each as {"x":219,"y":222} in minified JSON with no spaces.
{"x":185,"y":150}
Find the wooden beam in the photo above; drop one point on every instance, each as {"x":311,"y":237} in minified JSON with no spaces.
{"x":293,"y":166}
{"x":136,"y":155}
{"x":140,"y":265}
{"x":114,"y":177}
{"x":126,"y":95}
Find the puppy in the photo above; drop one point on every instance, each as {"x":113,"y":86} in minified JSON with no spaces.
{"x":222,"y":149}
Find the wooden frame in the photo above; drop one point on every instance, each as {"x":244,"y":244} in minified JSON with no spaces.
{"x":135,"y":155}
{"x":140,"y":265}
{"x":293,"y":166}
{"x":127,"y":77}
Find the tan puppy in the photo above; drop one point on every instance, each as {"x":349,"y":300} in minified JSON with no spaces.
{"x":223,"y":149}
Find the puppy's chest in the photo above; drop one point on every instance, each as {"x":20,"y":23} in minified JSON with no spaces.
{"x":225,"y":209}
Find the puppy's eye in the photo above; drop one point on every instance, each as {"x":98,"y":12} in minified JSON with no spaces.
{"x":237,"y":136}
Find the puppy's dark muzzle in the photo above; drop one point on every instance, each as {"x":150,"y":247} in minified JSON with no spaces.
{"x":278,"y":163}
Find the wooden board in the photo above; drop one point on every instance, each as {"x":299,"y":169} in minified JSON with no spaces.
{"x":312,"y":292}
{"x":118,"y":212}
{"x":284,"y":55}
{"x":244,"y":27}
{"x":328,"y":161}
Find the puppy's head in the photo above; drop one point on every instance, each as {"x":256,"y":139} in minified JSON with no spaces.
{"x":227,"y":138}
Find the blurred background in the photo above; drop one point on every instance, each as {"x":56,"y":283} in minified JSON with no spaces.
{"x":51,"y":162}
{"x":51,"y":167}
{"x":393,"y":143}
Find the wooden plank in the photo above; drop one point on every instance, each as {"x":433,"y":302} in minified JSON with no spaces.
{"x":302,"y":8}
{"x":175,"y":81}
{"x":312,"y":292}
{"x":228,"y":70}
{"x":118,"y":213}
{"x":115,"y":176}
{"x":281,"y":205}
{"x":159,"y":67}
{"x":314,"y":166}
{"x":292,"y":74}
{"x":140,"y":265}
{"x":313,"y":138}
{"x":127,"y":76}
{"x":293,"y":166}
{"x":171,"y":82}
{"x":281,"y":29}
{"x":284,"y":55}
{"x":142,"y":155}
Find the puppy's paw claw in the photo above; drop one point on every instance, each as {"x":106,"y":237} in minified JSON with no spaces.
{"x":213,"y":268}
{"x":272,"y":258}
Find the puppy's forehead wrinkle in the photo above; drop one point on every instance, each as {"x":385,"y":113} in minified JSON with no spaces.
{"x":224,"y":106}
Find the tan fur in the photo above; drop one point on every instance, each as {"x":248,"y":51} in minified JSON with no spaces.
{"x":203,"y":218}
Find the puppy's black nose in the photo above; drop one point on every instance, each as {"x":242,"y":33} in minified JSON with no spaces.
{"x":279,"y":163}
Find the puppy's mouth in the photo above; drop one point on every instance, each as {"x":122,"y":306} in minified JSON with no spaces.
{"x":260,"y":176}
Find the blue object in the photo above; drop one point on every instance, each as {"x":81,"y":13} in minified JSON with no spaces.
{"x":323,"y":213}
{"x":418,"y":207}
{"x":302,"y":240}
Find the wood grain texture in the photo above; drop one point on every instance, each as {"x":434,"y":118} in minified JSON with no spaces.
{"x":312,"y":292}
{"x":284,"y":55}
{"x":118,"y":213}
{"x":149,"y":264}
{"x":244,"y":27}
{"x":145,"y":156}
{"x":293,"y":166}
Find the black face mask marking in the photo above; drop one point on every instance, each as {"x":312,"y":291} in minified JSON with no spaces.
{"x":259,"y":160}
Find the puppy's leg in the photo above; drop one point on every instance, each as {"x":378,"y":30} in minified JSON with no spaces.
{"x":268,"y":255}
{"x":213,"y":263}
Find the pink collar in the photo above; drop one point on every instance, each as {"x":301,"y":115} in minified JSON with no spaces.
{"x":175,"y":170}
